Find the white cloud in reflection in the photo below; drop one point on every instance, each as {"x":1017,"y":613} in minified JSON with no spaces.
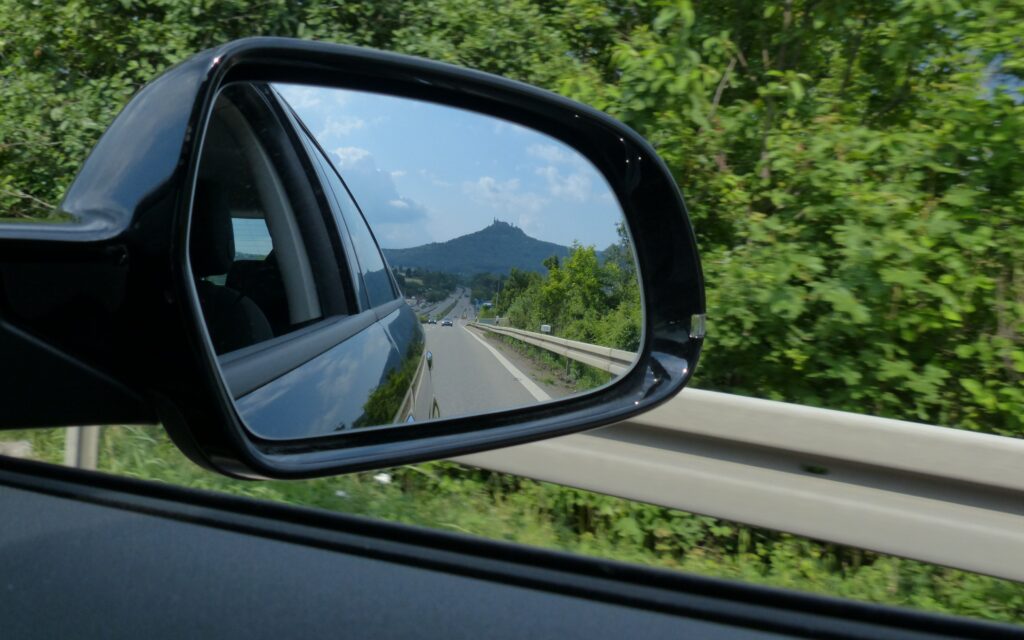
{"x":503,"y":196}
{"x":423,"y":172}
{"x":502,"y":126}
{"x":347,"y":157}
{"x":550,"y":153}
{"x":340,"y":127}
{"x":574,"y":186}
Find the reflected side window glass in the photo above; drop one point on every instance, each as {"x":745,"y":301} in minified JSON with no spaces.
{"x":252,"y":239}
{"x":378,"y":283}
{"x":248,"y":252}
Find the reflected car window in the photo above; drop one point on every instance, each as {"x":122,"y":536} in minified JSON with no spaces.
{"x":371,"y":264}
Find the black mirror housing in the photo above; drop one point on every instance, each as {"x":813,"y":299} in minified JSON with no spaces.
{"x":105,"y":317}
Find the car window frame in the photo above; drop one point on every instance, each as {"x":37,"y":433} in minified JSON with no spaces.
{"x":283,"y":229}
{"x":748,"y":607}
{"x":353,"y":218}
{"x":323,"y":166}
{"x":257,"y":365}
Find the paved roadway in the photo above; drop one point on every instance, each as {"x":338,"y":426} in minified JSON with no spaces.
{"x":468,"y":377}
{"x":433,"y":309}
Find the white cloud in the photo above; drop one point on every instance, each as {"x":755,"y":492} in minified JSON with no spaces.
{"x":300,"y":96}
{"x":340,"y":126}
{"x":350,"y":156}
{"x":504,"y":197}
{"x":375,"y":190}
{"x":574,"y":186}
{"x":548,"y":153}
{"x":434,"y":180}
{"x":532,"y":225}
{"x":501,"y":127}
{"x":397,"y":174}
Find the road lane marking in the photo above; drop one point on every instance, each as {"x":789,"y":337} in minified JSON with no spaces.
{"x":531,"y":386}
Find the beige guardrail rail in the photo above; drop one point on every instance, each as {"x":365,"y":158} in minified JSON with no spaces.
{"x":935,"y":494}
{"x":607,"y":359}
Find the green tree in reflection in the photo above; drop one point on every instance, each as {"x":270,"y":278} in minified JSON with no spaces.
{"x":387,"y":401}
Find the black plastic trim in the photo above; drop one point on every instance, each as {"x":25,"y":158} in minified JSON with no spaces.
{"x":250,"y":368}
{"x":686,"y":595}
{"x":139,"y":320}
{"x":386,"y":309}
{"x":83,"y":391}
{"x":656,"y":218}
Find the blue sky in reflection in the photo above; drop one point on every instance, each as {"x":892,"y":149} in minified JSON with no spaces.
{"x":428,"y":173}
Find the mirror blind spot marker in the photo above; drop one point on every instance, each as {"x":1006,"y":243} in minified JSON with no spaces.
{"x":698,"y":323}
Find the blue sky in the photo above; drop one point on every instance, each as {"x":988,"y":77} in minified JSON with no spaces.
{"x":428,"y":173}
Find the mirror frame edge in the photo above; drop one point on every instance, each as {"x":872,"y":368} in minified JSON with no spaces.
{"x":192,"y":400}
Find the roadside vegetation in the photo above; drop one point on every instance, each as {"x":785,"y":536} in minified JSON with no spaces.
{"x":447,"y":496}
{"x":854,"y":171}
{"x":582,"y":297}
{"x":432,"y":286}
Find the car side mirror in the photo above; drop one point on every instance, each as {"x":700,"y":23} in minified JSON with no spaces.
{"x":232,"y":271}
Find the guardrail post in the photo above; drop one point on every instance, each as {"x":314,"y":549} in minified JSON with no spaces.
{"x":81,"y":447}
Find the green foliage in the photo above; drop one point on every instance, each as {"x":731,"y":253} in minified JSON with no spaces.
{"x":581,"y":297}
{"x":432,"y":286}
{"x":853,"y":170}
{"x":384,"y":404}
{"x":483,"y":286}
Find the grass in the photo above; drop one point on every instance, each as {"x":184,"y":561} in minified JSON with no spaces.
{"x":446,"y":496}
{"x":578,"y":377}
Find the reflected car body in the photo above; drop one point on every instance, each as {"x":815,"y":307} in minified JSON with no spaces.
{"x":371,"y":351}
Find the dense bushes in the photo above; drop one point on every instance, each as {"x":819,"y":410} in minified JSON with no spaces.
{"x":579,"y":298}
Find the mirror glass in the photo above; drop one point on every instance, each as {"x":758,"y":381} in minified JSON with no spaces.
{"x":364,"y":260}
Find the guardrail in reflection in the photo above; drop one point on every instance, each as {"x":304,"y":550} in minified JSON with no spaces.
{"x":615,"y":361}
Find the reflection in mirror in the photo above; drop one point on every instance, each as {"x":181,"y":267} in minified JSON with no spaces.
{"x":364,"y":260}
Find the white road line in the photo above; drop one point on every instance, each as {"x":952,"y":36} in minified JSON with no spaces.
{"x":530,"y":385}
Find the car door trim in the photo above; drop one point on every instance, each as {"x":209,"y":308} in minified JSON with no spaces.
{"x":250,"y":368}
{"x":672,"y":592}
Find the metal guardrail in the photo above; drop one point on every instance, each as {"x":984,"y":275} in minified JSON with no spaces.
{"x":940,"y":495}
{"x":81,"y":447}
{"x":945,"y":496}
{"x":614,"y":361}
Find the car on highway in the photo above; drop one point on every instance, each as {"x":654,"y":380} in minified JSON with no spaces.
{"x":446,"y":322}
{"x":297,"y":358}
